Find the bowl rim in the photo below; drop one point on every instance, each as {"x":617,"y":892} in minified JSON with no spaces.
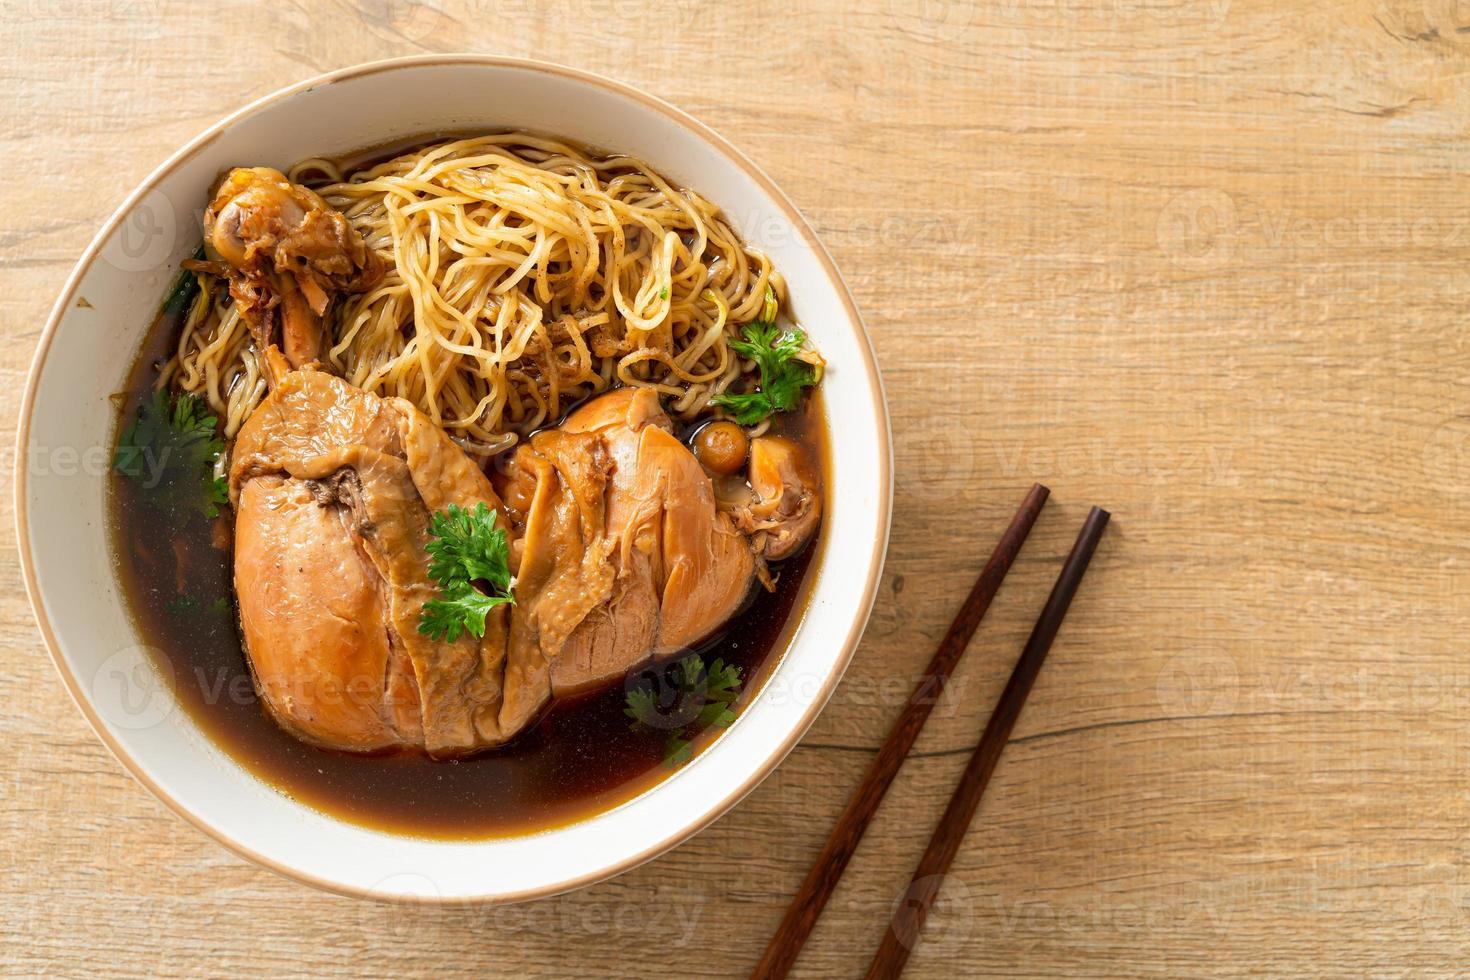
{"x":675,"y":116}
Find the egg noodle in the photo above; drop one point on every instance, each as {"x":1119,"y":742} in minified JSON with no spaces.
{"x":523,"y":275}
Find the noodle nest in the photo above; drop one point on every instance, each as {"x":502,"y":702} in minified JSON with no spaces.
{"x":523,"y":276}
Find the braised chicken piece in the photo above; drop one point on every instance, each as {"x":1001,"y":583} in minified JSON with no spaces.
{"x":667,"y":567}
{"x":333,"y":488}
{"x":287,"y":252}
{"x":619,"y":549}
{"x":786,"y":505}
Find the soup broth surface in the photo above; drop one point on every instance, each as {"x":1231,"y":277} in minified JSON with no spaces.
{"x":582,"y":757}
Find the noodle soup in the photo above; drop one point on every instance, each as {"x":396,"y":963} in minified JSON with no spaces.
{"x":506,"y":287}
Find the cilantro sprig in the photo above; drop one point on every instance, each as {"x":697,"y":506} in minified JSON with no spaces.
{"x":171,"y":449}
{"x":783,"y":374}
{"x":465,"y":547}
{"x":684,"y":699}
{"x":462,"y":607}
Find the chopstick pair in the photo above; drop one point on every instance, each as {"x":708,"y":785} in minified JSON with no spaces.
{"x":908,"y":919}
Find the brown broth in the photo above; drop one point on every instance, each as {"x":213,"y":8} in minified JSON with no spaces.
{"x":580,"y":759}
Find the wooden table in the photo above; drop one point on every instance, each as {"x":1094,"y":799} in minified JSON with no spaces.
{"x":1206,"y":262}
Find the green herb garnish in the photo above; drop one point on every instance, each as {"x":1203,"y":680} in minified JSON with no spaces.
{"x":181,"y":605}
{"x":678,"y":751}
{"x":461,"y":608}
{"x":187,"y":606}
{"x":722,"y":687}
{"x":663,"y":293}
{"x":465,"y":547}
{"x":171,"y":449}
{"x":185,"y":288}
{"x":782,"y":374}
{"x":684,"y":699}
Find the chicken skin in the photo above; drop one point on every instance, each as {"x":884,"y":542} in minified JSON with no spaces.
{"x":619,"y":549}
{"x":671,"y":568}
{"x":333,"y":488}
{"x":287,"y":252}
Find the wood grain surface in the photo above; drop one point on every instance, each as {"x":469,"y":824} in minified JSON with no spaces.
{"x":1203,"y":262}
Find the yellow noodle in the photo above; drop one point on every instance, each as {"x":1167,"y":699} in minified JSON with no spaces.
{"x":523,"y":276}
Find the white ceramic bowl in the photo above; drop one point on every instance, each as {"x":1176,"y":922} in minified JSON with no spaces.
{"x":67,"y":426}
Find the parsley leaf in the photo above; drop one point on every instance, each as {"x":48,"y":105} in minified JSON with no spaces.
{"x":465,"y":547}
{"x":188,"y":606}
{"x":689,"y":670}
{"x":642,"y":707}
{"x":677,"y":751}
{"x":171,"y":449}
{"x":782,"y":374}
{"x":181,"y":605}
{"x":722,"y":687}
{"x":461,"y":608}
{"x":724,"y":680}
{"x":698,"y":697}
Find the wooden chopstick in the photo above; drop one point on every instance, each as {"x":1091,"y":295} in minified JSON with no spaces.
{"x":908,"y":918}
{"x":812,"y":896}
